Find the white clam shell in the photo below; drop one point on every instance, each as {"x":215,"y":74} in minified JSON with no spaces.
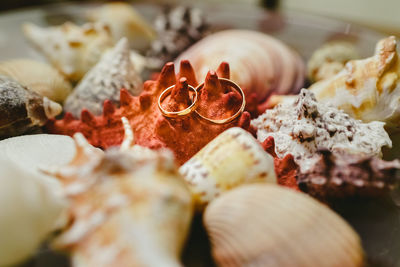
{"x":31,"y":203}
{"x":269,"y":225}
{"x":233,"y":158}
{"x":258,"y":62}
{"x":38,"y":77}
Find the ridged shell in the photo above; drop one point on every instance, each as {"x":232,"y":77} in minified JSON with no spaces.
{"x":269,"y":225}
{"x":70,"y":48}
{"x":22,"y":110}
{"x":233,"y":158}
{"x":31,"y":202}
{"x":38,"y":77}
{"x":114,"y":71}
{"x":259,"y":63}
{"x":124,"y":21}
{"x":129,"y":206}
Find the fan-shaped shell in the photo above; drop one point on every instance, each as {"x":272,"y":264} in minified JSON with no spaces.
{"x":259,"y":63}
{"x":269,"y":225}
{"x":38,"y":77}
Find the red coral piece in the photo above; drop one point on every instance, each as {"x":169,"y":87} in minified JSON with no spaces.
{"x":285,"y":168}
{"x":184,"y":136}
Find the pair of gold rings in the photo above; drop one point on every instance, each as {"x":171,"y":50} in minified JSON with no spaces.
{"x":194,"y":104}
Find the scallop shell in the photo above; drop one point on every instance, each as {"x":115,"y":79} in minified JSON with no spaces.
{"x":129,"y":206}
{"x":233,"y":158}
{"x":22,"y":110}
{"x":103,"y":82}
{"x":30,"y":208}
{"x":269,"y":225}
{"x":38,"y":77}
{"x":124,"y":21}
{"x":259,"y":63}
{"x":367,"y":89}
{"x":71,"y":49}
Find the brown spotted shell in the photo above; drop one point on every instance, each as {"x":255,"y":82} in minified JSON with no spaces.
{"x":22,"y":110}
{"x":269,"y":225}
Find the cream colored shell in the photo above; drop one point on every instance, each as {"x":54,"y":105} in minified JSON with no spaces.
{"x":38,"y":77}
{"x":269,"y":225}
{"x":70,"y":48}
{"x":233,"y":158}
{"x":124,"y":21}
{"x":367,"y":89}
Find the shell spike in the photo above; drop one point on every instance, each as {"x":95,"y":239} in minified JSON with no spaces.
{"x":186,"y":70}
{"x":167,"y":76}
{"x":269,"y":146}
{"x":68,"y":117}
{"x":88,"y":118}
{"x":223,"y":70}
{"x":244,"y":120}
{"x":125,"y":97}
{"x":212,"y":86}
{"x":108,"y":108}
{"x":180,"y":93}
{"x":129,"y":139}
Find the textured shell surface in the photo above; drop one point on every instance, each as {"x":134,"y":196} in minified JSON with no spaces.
{"x":301,"y":127}
{"x":259,"y":63}
{"x":129,"y":207}
{"x":184,"y":136}
{"x":114,"y":71}
{"x":70,"y":48}
{"x":38,"y":77}
{"x":269,"y":225}
{"x":367,"y":89}
{"x":233,"y":158}
{"x":124,"y":21}
{"x":30,"y":208}
{"x":22,"y":110}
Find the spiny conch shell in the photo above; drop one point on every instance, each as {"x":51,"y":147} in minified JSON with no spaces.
{"x":129,"y":206}
{"x":38,"y":77}
{"x":22,"y":110}
{"x":259,"y":63}
{"x":70,"y":48}
{"x":185,"y":136}
{"x":330,"y":59}
{"x":114,"y":71}
{"x":124,"y":21}
{"x":269,"y":225}
{"x":367,"y":89}
{"x":233,"y":158}
{"x":31,"y":203}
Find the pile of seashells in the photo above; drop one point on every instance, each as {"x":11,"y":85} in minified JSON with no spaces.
{"x":117,"y":182}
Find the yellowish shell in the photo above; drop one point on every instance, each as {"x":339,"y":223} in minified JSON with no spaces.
{"x":124,"y":21}
{"x":129,"y":207}
{"x":269,"y":225}
{"x":38,"y":77}
{"x":233,"y":158}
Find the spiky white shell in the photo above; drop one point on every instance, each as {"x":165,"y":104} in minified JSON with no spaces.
{"x":269,"y":225}
{"x":38,"y":77}
{"x":233,"y":158}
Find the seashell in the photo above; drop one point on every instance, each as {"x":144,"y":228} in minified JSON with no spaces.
{"x":22,"y":110}
{"x":129,"y":201}
{"x":367,"y":89}
{"x":302,"y":127}
{"x":114,"y":71}
{"x":71,"y":49}
{"x":38,"y":77}
{"x":330,"y":59}
{"x":30,"y":208}
{"x":124,"y":21}
{"x":177,"y":28}
{"x":268,"y":225}
{"x":339,"y":175}
{"x":259,"y":63}
{"x":211,"y":172}
{"x":184,"y":136}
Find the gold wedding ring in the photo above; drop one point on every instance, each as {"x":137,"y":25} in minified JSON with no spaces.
{"x":180,"y":113}
{"x":234,"y":116}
